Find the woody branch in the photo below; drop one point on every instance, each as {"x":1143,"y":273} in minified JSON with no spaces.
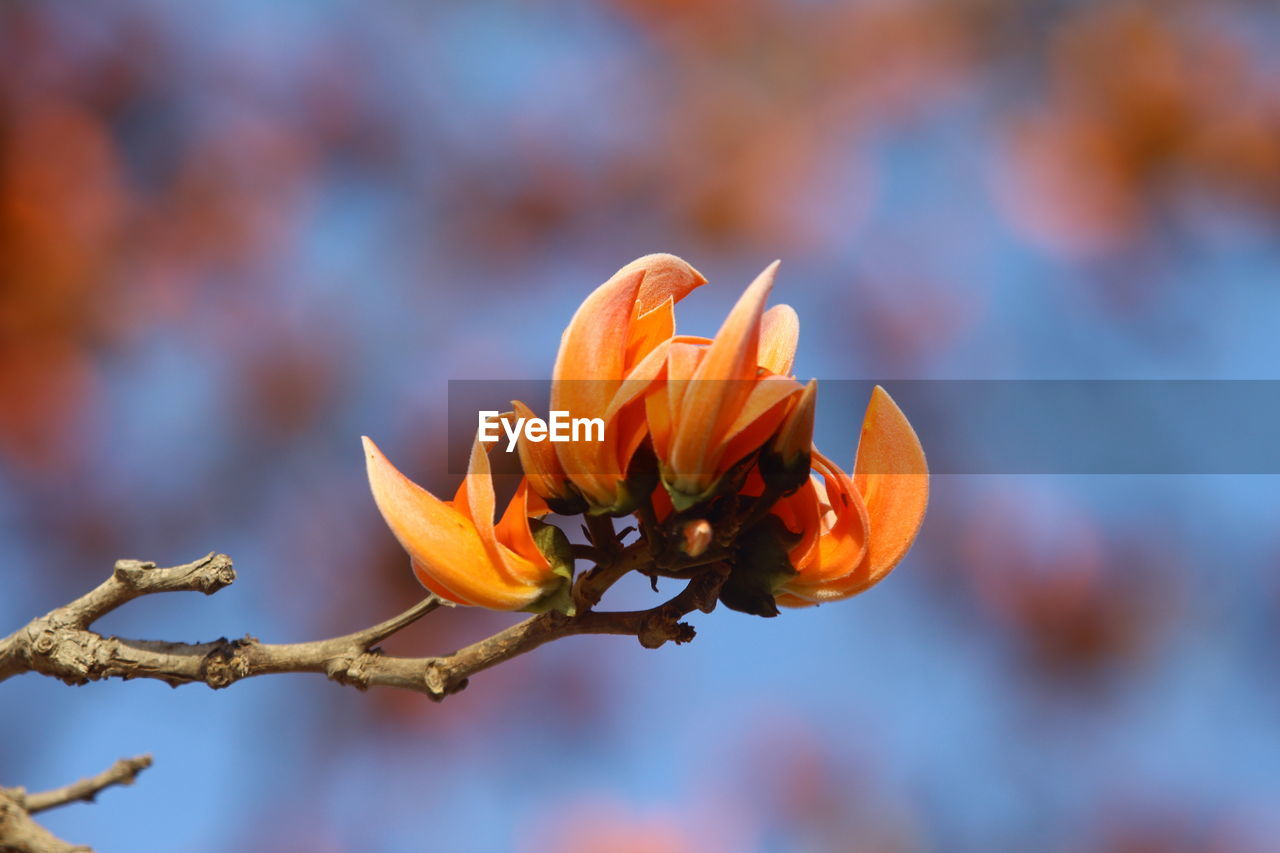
{"x":63,"y":644}
{"x":20,"y":833}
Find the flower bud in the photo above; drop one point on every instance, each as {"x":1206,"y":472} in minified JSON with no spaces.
{"x":697,"y":536}
{"x":785,"y":461}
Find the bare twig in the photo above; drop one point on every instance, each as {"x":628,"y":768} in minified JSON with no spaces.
{"x":63,"y":645}
{"x":652,"y":627}
{"x":123,"y":772}
{"x":19,"y":833}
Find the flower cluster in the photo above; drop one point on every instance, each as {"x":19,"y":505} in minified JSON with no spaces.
{"x":708,"y":442}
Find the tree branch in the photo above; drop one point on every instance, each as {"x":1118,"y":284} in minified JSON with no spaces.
{"x":123,"y":772}
{"x":63,"y":645}
{"x":652,"y":627}
{"x":21,"y":834}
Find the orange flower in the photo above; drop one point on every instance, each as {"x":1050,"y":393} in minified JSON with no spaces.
{"x":723,"y":398}
{"x":854,"y":531}
{"x":613,"y":348}
{"x":458,"y":552}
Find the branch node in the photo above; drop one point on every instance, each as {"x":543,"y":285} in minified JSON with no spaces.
{"x":129,"y":572}
{"x":664,"y":624}
{"x":212,"y":573}
{"x":355,"y":670}
{"x":224,"y":665}
{"x":440,"y":681}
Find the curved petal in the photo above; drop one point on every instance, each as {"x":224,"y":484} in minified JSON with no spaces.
{"x":525,"y":560}
{"x":442,"y":542}
{"x":665,"y":277}
{"x":837,"y":567}
{"x":779,"y":334}
{"x":843,"y":547}
{"x":518,"y":566}
{"x":433,"y":585}
{"x":892,"y":476}
{"x":891,"y":479}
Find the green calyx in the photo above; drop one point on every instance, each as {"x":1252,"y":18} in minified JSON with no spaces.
{"x":555,"y":546}
{"x":641,"y":480}
{"x":683,"y":500}
{"x":728,"y":483}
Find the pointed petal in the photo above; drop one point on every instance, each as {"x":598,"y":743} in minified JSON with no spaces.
{"x":779,"y":334}
{"x":795,"y":435}
{"x":892,"y":476}
{"x":734,"y":349}
{"x":442,"y":542}
{"x":723,"y":379}
{"x":475,"y":495}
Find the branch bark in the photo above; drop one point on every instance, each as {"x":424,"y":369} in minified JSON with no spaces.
{"x":63,"y":645}
{"x":19,"y":833}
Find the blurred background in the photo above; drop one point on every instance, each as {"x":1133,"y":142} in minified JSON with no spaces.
{"x":236,"y":236}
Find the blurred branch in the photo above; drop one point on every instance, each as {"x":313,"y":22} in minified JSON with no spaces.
{"x":61,"y":643}
{"x":20,"y":834}
{"x":123,"y":772}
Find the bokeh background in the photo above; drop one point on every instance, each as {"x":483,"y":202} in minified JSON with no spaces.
{"x":236,"y":236}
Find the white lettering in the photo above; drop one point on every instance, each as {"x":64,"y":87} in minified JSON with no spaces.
{"x":511,"y":426}
{"x":487,"y":426}
{"x":536,"y":430}
{"x":559,"y":423}
{"x":587,"y":424}
{"x":560,"y":427}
